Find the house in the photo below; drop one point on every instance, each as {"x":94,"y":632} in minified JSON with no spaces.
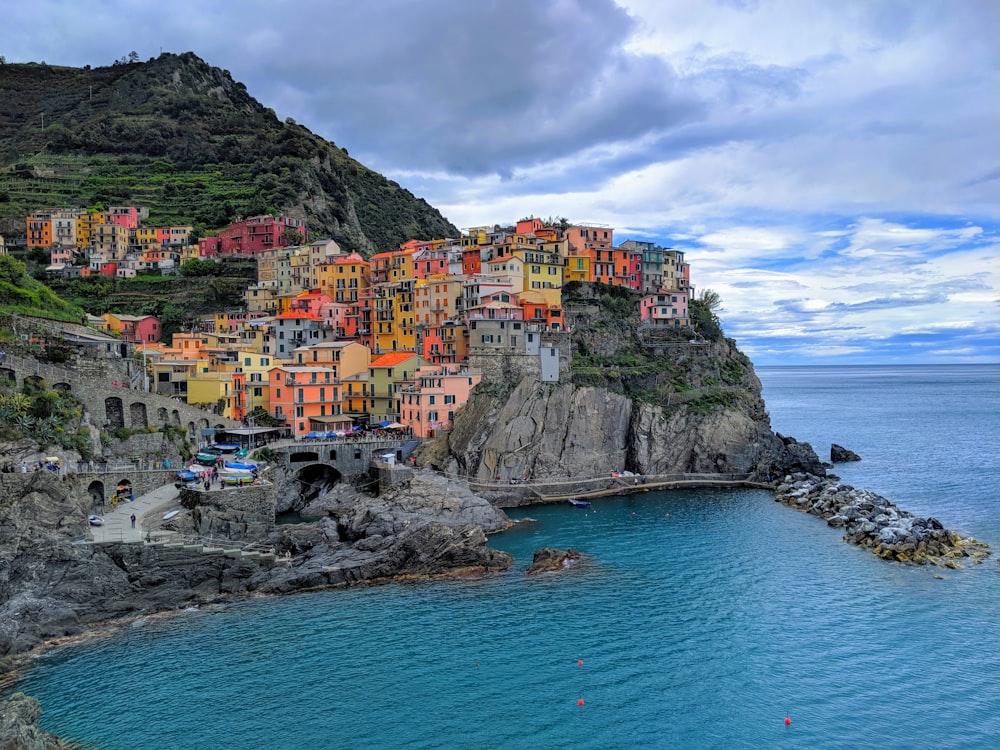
{"x":428,"y":404}
{"x":665,"y":308}
{"x":135,"y":328}
{"x":386,"y":375}
{"x":308,"y":399}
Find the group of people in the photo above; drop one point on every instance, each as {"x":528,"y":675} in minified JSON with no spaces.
{"x":9,"y":468}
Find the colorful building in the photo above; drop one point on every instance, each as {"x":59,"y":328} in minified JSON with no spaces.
{"x":252,"y":236}
{"x":429,"y":403}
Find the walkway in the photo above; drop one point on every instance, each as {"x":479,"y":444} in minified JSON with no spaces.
{"x":117,"y":524}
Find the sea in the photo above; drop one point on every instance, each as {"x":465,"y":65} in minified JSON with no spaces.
{"x":697,"y":619}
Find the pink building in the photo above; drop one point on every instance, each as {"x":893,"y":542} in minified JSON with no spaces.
{"x":124,"y":216}
{"x":251,"y":236}
{"x":429,"y":404}
{"x":667,"y":309}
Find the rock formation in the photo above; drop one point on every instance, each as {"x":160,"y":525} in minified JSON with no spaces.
{"x":871,"y":521}
{"x":19,"y":728}
{"x":565,"y":430}
{"x":840,"y":454}
{"x":53,"y":585}
{"x":548,"y":560}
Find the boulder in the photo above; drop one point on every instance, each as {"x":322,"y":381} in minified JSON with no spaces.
{"x":548,"y":559}
{"x":840,"y":454}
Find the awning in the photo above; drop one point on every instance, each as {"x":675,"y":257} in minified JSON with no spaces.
{"x":384,"y":424}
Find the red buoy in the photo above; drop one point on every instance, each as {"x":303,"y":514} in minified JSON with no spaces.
{"x":787,"y":721}
{"x":580,"y":702}
{"x":579,"y":662}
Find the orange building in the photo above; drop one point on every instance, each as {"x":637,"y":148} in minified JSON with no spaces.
{"x":308,"y":399}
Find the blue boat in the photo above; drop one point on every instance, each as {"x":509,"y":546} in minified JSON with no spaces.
{"x":578,"y":503}
{"x":238,"y":466}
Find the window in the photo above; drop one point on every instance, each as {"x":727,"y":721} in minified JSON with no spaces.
{"x":449,"y":399}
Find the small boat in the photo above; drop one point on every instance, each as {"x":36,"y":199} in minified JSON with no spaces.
{"x":240,"y":466}
{"x":171,"y":514}
{"x":95,"y":520}
{"x":578,"y":503}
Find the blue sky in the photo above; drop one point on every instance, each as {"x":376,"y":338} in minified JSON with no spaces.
{"x":831,"y":168}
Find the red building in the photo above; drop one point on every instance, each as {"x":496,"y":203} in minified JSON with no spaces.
{"x":251,"y":236}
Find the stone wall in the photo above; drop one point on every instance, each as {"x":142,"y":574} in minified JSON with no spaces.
{"x":111,"y":407}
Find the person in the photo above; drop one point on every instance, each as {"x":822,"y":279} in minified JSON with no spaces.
{"x":24,"y":468}
{"x":208,"y":484}
{"x":132,"y":519}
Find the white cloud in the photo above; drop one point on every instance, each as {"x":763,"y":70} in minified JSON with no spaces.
{"x":831,"y":168}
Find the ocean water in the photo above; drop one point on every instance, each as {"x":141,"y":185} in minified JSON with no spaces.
{"x":699,"y":619}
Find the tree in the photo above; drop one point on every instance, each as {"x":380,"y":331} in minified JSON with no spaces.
{"x":11,"y":270}
{"x":133,"y":56}
{"x":710,"y":299}
{"x":293,"y":237}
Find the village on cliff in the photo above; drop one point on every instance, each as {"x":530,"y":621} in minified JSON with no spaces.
{"x":330,"y":342}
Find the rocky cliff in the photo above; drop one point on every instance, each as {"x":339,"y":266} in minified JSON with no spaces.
{"x":625,"y":403}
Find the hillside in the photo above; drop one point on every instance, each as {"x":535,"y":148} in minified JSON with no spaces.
{"x":183,"y":138}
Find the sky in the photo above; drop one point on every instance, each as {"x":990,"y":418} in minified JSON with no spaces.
{"x":831,"y":169}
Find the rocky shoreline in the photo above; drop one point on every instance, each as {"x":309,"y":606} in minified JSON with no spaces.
{"x":873,"y":522}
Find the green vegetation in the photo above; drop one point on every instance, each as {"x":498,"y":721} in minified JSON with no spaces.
{"x":48,"y":417}
{"x":21,"y":294}
{"x":184,"y":139}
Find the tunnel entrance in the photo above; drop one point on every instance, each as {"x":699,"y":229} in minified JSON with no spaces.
{"x":313,"y":480}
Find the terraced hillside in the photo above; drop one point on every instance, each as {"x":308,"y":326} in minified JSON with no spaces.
{"x":185,"y":139}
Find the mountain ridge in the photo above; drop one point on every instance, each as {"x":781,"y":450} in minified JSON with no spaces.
{"x":187,"y":140}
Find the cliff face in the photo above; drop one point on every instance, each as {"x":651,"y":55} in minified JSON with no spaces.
{"x":625,"y":403}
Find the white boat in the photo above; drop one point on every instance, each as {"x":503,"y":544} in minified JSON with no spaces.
{"x":95,"y":520}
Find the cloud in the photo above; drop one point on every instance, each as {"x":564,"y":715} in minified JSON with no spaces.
{"x":830,"y":168}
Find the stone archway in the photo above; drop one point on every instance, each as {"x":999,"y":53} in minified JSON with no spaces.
{"x":176,"y":416}
{"x":114,"y":413}
{"x":63,"y":387}
{"x":96,"y":491}
{"x":34,"y":382}
{"x":137,"y":414}
{"x":192,"y":430}
{"x":7,"y":374}
{"x":162,"y":415}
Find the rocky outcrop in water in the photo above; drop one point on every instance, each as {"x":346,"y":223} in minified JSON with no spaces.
{"x":19,"y":728}
{"x":548,"y":560}
{"x":870,"y":520}
{"x":840,"y":454}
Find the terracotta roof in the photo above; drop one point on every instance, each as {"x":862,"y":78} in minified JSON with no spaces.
{"x":392,"y":359}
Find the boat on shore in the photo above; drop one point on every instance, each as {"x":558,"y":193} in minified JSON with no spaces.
{"x":578,"y":503}
{"x":95,"y":520}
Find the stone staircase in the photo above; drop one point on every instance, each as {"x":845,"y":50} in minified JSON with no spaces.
{"x":181,"y":549}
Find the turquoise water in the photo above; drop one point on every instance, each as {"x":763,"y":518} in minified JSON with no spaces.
{"x":702,"y":628}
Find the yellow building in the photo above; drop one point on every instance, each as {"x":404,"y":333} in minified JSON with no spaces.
{"x":543,"y":273}
{"x":85,"y":224}
{"x":577,"y":268}
{"x":345,"y":358}
{"x":435,"y":299}
{"x":344,"y":278}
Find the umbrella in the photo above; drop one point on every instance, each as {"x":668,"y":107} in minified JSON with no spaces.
{"x":395,"y":426}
